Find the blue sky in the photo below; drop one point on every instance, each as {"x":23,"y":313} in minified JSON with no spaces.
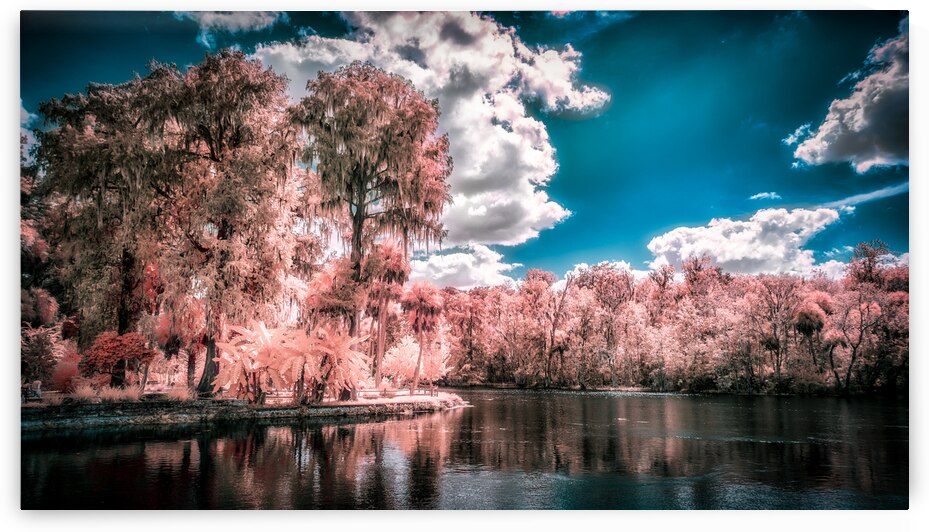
{"x":587,"y":137}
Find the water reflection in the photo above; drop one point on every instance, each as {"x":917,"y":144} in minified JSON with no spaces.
{"x":511,"y":450}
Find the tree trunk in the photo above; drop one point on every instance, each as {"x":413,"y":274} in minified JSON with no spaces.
{"x":191,"y":367}
{"x":357,"y":254}
{"x":381,"y":340}
{"x":144,"y":377}
{"x":300,"y":389}
{"x":835,"y":373}
{"x":419,"y":362}
{"x":126,"y":287}
{"x":123,"y":311}
{"x":809,"y":341}
{"x":205,"y":387}
{"x":848,"y":372}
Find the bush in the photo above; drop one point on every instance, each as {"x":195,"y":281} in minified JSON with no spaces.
{"x":66,"y":375}
{"x":179,"y":394}
{"x":84,"y":393}
{"x":119,"y":395}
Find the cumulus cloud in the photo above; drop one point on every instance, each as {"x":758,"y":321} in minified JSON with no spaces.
{"x":771,"y":241}
{"x":765,"y":195}
{"x":477,"y":266}
{"x":870,"y":127}
{"x":213,"y":22}
{"x":831,"y":269}
{"x":483,"y":75}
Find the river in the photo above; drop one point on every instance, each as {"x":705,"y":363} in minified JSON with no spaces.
{"x":511,"y":449}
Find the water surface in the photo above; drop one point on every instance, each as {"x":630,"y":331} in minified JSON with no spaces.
{"x":512,"y":449}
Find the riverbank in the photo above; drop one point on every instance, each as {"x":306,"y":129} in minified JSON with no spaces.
{"x":812,"y":392}
{"x":142,"y":413}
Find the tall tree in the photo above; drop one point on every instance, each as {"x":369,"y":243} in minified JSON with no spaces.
{"x":104,"y":163}
{"x":381,"y":164}
{"x":232,"y":219}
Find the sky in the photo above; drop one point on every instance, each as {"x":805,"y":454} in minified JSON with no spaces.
{"x":772,"y":142}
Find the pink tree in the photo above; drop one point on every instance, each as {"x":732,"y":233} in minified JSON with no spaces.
{"x":422,"y":303}
{"x":381,"y":165}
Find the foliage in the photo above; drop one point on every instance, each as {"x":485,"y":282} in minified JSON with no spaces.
{"x":110,"y":350}
{"x":66,"y":375}
{"x":381,"y":166}
{"x":258,"y":358}
{"x":40,"y":348}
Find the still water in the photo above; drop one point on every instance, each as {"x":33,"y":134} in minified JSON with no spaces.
{"x":512,"y":449}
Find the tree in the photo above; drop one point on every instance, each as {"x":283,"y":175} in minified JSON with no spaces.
{"x":865,"y":264}
{"x":388,"y":269}
{"x":382,"y":168}
{"x":113,"y":354}
{"x":231,"y":221}
{"x":612,"y":287}
{"x":776,"y":300}
{"x":102,"y":167}
{"x":810,"y":319}
{"x":423,"y":305}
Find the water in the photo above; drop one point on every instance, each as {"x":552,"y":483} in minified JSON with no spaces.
{"x":513,"y":449}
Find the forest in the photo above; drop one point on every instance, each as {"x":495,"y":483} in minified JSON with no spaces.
{"x":176,"y":233}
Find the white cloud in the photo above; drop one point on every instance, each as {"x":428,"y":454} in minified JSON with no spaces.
{"x":835,"y":252}
{"x":765,"y":195}
{"x":478,"y":266}
{"x":870,"y":127}
{"x":482,"y":75}
{"x":212,"y":22}
{"x":801,"y":132}
{"x":881,"y":193}
{"x":771,"y":241}
{"x":832,"y":269}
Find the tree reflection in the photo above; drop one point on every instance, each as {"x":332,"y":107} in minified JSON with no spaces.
{"x":509,"y":450}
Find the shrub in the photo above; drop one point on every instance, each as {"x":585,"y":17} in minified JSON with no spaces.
{"x":66,"y":375}
{"x":84,"y":393}
{"x":119,"y":395}
{"x":179,"y":394}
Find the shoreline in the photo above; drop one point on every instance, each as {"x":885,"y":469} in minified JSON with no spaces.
{"x":145,"y":413}
{"x":641,"y":390}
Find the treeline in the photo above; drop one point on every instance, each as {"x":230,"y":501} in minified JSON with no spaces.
{"x":174,"y":228}
{"x":700,"y":330}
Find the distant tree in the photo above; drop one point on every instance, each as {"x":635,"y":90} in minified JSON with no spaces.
{"x":865,"y":264}
{"x":613,"y":288}
{"x":422,"y":303}
{"x":776,"y":300}
{"x":387,"y":269}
